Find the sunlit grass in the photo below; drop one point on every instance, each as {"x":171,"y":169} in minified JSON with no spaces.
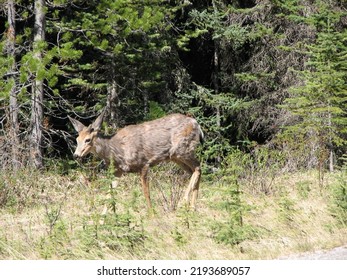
{"x":46,"y":215}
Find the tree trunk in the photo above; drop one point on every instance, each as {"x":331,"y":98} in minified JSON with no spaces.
{"x":37,"y":88}
{"x":331,"y":161}
{"x":113,"y":98}
{"x":215,"y":79}
{"x":13,"y":114}
{"x":330,"y":149}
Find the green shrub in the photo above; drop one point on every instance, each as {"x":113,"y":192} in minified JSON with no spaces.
{"x":118,"y":228}
{"x":286,"y":209}
{"x":233,"y":230}
{"x":338,"y":207}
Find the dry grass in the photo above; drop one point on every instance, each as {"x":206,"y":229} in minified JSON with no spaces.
{"x":51,"y":216}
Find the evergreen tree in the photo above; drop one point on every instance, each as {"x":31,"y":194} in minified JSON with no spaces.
{"x":31,"y":66}
{"x":320,"y":102}
{"x":126,"y":53}
{"x":228,"y":63}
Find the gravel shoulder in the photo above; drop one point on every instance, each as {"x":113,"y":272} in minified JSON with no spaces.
{"x":338,"y":253}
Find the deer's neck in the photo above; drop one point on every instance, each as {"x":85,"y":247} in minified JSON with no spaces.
{"x":107,"y":149}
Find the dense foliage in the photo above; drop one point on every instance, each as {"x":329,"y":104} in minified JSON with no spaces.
{"x":254,"y":73}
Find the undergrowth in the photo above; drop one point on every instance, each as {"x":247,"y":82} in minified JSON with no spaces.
{"x":338,"y":206}
{"x":61,"y":215}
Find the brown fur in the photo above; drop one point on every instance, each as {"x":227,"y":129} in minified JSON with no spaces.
{"x":135,"y":148}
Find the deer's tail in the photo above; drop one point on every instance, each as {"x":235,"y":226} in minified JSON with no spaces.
{"x":201,"y":135}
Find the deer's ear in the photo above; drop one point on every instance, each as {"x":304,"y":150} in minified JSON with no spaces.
{"x":96,"y":125}
{"x":78,"y":126}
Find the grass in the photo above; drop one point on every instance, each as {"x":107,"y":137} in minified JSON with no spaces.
{"x":47,"y":215}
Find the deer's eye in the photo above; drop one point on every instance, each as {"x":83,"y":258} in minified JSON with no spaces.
{"x":87,"y":140}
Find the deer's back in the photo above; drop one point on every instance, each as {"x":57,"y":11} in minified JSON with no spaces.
{"x":157,"y":140}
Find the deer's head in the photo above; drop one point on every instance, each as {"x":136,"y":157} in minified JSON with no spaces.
{"x":86,"y":135}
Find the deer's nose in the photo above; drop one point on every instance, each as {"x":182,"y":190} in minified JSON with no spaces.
{"x":76,"y":156}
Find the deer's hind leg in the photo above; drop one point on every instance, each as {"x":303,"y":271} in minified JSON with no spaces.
{"x":192,"y":165}
{"x":193,"y":187}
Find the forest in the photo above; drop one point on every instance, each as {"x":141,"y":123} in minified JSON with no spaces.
{"x":266,"y":81}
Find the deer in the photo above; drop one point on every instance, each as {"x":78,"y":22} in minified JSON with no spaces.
{"x":136,"y":148}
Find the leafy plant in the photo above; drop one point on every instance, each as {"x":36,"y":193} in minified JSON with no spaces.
{"x":55,"y":244}
{"x":304,"y":189}
{"x":338,"y":206}
{"x":121,"y":230}
{"x":179,"y":237}
{"x":286,"y":209}
{"x":233,"y":230}
{"x":117,"y":228}
{"x":263,"y":166}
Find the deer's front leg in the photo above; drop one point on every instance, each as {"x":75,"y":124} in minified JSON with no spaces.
{"x":145,"y":185}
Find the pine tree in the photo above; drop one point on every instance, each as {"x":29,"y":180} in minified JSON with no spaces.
{"x":320,"y":102}
{"x":126,"y":53}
